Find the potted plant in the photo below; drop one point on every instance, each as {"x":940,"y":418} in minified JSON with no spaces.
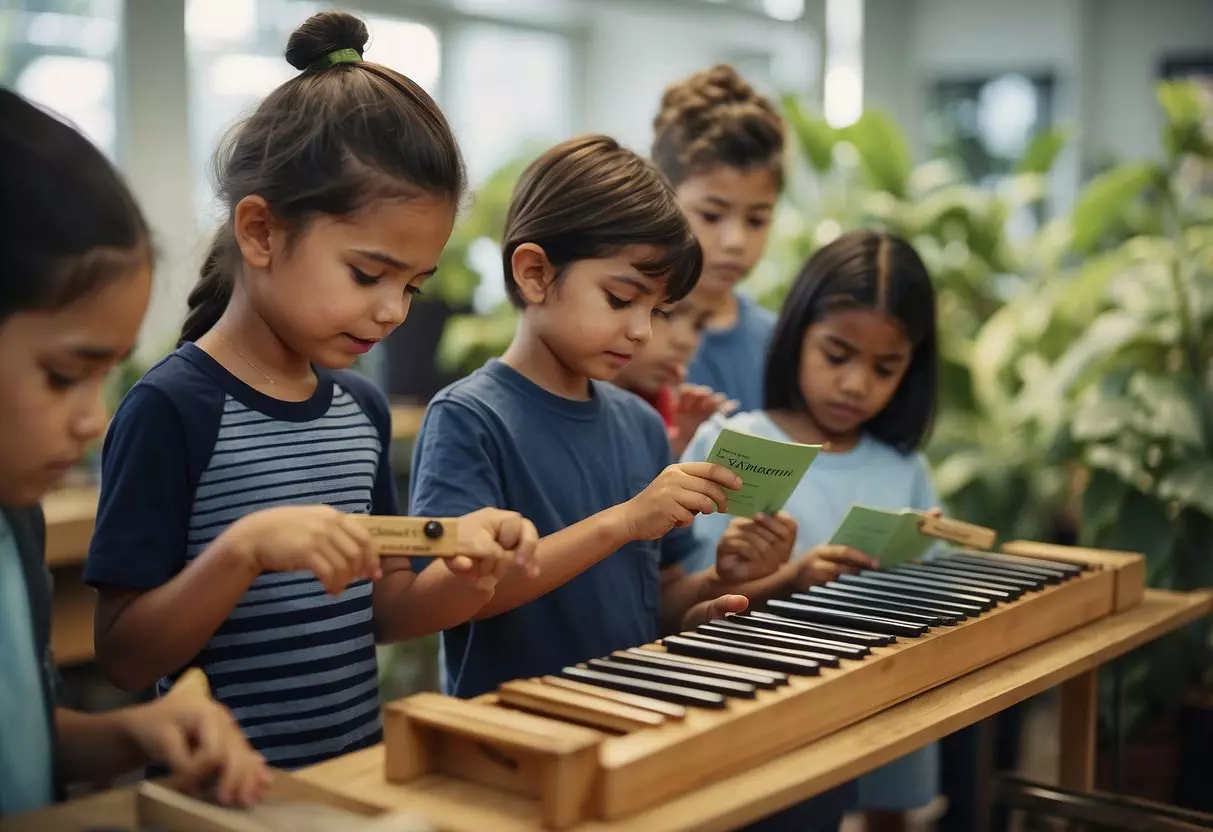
{"x":1135,"y":387}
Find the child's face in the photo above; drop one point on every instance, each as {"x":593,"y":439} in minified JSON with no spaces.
{"x":850,"y":366}
{"x":53,"y":367}
{"x":730,"y":212}
{"x":598,"y":316}
{"x":346,"y":283}
{"x":663,"y":361}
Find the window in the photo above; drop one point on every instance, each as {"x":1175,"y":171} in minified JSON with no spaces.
{"x":509,"y":88}
{"x":236,"y":58}
{"x":61,"y":54}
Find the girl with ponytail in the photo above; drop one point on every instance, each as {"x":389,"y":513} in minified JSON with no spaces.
{"x":230,"y":471}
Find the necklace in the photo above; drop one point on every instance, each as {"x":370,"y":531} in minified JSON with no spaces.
{"x":243,"y":358}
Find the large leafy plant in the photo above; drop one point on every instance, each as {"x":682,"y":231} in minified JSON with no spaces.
{"x":1134,"y":383}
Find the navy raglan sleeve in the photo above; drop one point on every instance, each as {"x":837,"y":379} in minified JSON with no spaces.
{"x":147,"y":484}
{"x":384,"y":498}
{"x":453,"y":471}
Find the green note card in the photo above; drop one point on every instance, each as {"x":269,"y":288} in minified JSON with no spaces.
{"x":769,"y":469}
{"x":892,"y":537}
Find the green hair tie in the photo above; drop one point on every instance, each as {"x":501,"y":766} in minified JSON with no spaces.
{"x":338,"y":56}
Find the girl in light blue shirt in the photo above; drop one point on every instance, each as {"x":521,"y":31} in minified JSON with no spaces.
{"x":853,"y":364}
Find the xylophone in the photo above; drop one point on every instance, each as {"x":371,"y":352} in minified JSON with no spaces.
{"x":620,"y":733}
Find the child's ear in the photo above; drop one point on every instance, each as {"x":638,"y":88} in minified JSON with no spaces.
{"x":533,"y":273}
{"x":255,"y":231}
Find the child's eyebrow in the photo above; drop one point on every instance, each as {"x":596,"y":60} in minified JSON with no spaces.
{"x":643,"y":285}
{"x":385,"y":259}
{"x":847,"y":345}
{"x":101,"y":353}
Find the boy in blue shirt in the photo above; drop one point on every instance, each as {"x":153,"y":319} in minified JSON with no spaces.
{"x":595,"y":247}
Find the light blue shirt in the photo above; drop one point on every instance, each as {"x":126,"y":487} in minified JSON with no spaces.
{"x":872,"y":474}
{"x":25,"y":736}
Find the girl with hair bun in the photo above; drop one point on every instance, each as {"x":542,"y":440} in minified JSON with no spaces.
{"x":224,"y":538}
{"x":720,"y":144}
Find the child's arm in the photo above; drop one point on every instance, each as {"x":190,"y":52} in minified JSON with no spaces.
{"x":672,"y":500}
{"x":453,"y":473}
{"x":193,"y":735}
{"x":144,"y":634}
{"x":409,"y":605}
{"x":751,"y":561}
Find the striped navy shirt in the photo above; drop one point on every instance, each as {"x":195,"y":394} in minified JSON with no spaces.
{"x":192,"y":449}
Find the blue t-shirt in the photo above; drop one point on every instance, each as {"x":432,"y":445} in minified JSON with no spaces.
{"x":193,"y":449}
{"x":733,"y":361}
{"x":495,"y":438}
{"x":872,"y":474}
{"x":25,"y":736}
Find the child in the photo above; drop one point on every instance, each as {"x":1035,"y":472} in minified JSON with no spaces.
{"x":721,"y":144}
{"x":342,"y":188}
{"x":656,"y":373}
{"x":73,"y":293}
{"x":595,"y":246}
{"x":853,"y":362}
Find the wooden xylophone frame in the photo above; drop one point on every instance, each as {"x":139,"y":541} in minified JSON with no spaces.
{"x":576,"y":773}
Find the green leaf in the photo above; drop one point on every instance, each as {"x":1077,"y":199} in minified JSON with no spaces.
{"x":1187,"y":110}
{"x":1170,"y":410}
{"x":1101,"y":501}
{"x":1109,"y":333}
{"x":1190,"y":484}
{"x":1042,"y":152}
{"x":883,"y":151}
{"x":1144,"y":527}
{"x":1105,"y":199}
{"x":1117,"y":460}
{"x":815,"y":136}
{"x":1102,"y":419}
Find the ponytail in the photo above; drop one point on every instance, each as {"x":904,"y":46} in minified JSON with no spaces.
{"x":210,"y":295}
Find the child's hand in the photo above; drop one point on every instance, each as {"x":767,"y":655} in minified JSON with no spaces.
{"x":494,"y":541}
{"x":934,"y":512}
{"x":826,"y":562}
{"x":673,"y":499}
{"x":695,"y":404}
{"x":198,"y":739}
{"x":752,"y":549}
{"x":320,"y":539}
{"x":706,"y":611}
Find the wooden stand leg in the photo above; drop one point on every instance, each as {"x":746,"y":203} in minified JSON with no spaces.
{"x":1079,"y":724}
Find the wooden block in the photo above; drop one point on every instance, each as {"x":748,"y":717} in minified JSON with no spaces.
{"x":292,"y":806}
{"x":957,"y":531}
{"x":553,"y":761}
{"x":1128,"y":567}
{"x":415,"y":536}
{"x":667,"y":709}
{"x":576,"y":707}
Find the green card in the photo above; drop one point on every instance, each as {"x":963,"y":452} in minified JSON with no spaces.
{"x":769,"y":469}
{"x":892,"y":537}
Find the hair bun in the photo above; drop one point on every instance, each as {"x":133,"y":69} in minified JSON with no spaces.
{"x":323,"y":33}
{"x":701,"y":99}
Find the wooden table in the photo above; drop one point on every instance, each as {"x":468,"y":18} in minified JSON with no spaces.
{"x":1071,"y":660}
{"x":70,"y":515}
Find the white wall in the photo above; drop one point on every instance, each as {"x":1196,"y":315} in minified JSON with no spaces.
{"x":636,"y":49}
{"x":1104,"y":54}
{"x":1133,"y":37}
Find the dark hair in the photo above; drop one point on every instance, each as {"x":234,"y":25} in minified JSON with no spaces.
{"x":589,"y":197}
{"x":70,"y":223}
{"x":328,"y":141}
{"x":863,"y":270}
{"x":715,"y":118}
